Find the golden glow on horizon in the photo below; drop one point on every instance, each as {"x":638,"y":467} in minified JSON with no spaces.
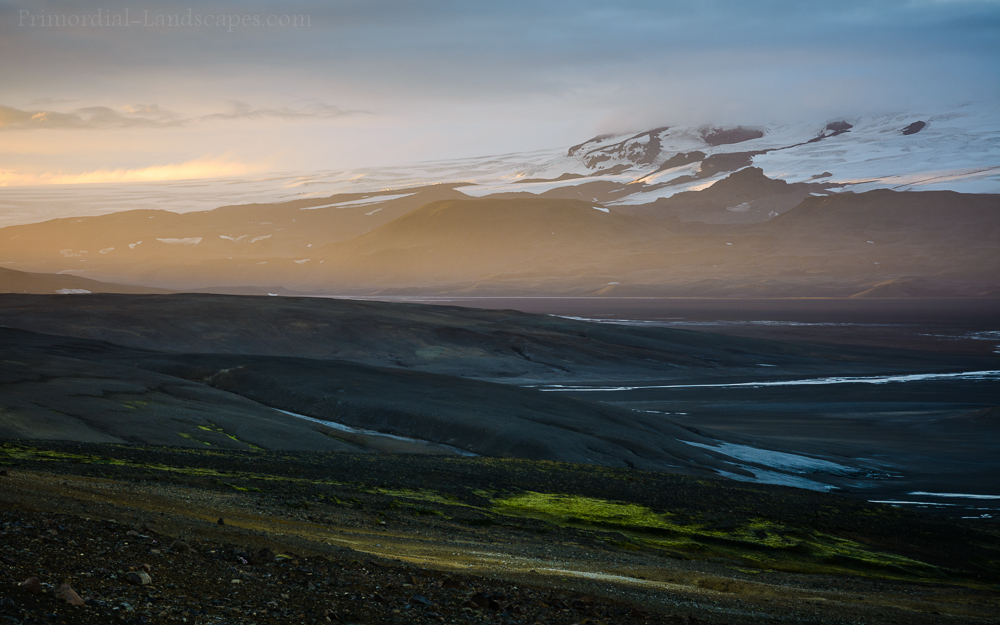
{"x":196,"y":169}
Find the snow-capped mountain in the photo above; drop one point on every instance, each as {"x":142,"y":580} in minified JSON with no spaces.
{"x":956,"y":149}
{"x":861,"y":206}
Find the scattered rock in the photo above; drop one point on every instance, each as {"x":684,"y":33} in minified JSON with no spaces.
{"x":67,"y":594}
{"x":725,"y":136}
{"x":221,"y":521}
{"x":914,"y":128}
{"x":265,"y":555}
{"x":332,"y":586}
{"x":179,"y":546}
{"x":420,"y":600}
{"x":477,"y":601}
{"x":32,"y":585}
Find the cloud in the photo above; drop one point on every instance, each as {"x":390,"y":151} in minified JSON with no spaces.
{"x":194,"y":169}
{"x":49,"y":100}
{"x":450,"y":78}
{"x":309,"y":109}
{"x":152,"y":116}
{"x":93,"y":117}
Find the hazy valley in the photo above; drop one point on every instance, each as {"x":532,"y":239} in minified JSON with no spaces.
{"x":697,"y":372}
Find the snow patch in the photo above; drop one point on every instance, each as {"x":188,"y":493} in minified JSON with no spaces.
{"x":776,"y":459}
{"x":762,"y":476}
{"x":703,"y":186}
{"x":363,"y":201}
{"x":881,"y":379}
{"x":893,"y":502}
{"x":185,"y":241}
{"x":240,"y":238}
{"x":72,"y":291}
{"x":353,"y":430}
{"x":955,"y":495}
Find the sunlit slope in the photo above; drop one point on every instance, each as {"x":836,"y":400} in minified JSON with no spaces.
{"x":746,"y":235}
{"x":12,"y":281}
{"x":940,"y":243}
{"x":475,"y":240}
{"x":209,"y":244}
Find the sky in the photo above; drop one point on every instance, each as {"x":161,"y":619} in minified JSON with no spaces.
{"x":120,"y":91}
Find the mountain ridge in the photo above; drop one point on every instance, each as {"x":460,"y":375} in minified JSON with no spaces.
{"x":672,"y":211}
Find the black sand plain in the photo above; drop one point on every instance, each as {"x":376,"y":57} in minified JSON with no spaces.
{"x":173,"y":402}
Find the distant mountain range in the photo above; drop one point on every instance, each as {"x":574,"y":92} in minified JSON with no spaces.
{"x":894,"y":205}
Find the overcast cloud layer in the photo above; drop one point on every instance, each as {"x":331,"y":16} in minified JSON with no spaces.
{"x":378,"y":81}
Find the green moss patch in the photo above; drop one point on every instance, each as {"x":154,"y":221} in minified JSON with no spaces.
{"x":755,"y":541}
{"x":211,"y":427}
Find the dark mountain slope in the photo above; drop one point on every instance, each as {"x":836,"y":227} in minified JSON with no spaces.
{"x":12,"y":281}
{"x":438,"y":339}
{"x":72,"y":389}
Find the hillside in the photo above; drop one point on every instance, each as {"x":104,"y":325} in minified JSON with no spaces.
{"x":489,"y":344}
{"x":874,"y":244}
{"x":941,"y":243}
{"x":221,"y":247}
{"x":479,"y":240}
{"x":776,"y":210}
{"x":12,"y":281}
